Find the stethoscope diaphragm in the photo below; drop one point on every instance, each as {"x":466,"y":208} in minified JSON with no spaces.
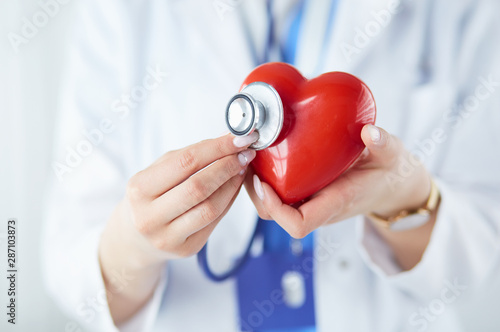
{"x":257,"y":107}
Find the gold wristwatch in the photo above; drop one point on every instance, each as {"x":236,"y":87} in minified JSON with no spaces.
{"x":410,"y":219}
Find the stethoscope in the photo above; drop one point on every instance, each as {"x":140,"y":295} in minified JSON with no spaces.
{"x":268,"y":132}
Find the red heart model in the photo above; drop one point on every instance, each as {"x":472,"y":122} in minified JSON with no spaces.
{"x":321,"y":134}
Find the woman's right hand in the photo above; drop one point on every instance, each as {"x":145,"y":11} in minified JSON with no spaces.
{"x":169,"y":211}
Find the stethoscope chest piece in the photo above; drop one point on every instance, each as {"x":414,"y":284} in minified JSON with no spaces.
{"x":257,"y":107}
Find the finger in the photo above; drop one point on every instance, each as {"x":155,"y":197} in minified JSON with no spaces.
{"x":168,"y":240}
{"x":382,"y":146}
{"x":196,"y":241}
{"x":176,"y":166}
{"x":339,"y":200}
{"x":323,"y":207}
{"x":207,"y":211}
{"x":249,"y":186}
{"x":200,"y":186}
{"x":290,"y":219}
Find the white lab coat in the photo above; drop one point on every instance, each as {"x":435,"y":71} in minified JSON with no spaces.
{"x":423,"y":66}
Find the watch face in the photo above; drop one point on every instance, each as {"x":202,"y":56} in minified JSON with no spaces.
{"x":410,"y":222}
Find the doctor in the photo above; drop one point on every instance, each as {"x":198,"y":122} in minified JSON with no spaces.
{"x":133,"y":199}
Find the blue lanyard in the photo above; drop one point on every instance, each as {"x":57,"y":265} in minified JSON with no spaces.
{"x":288,"y":51}
{"x":276,"y":239}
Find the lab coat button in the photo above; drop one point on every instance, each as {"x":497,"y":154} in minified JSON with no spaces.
{"x":343,"y":264}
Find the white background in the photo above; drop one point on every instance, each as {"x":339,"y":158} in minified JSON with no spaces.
{"x":28,"y":91}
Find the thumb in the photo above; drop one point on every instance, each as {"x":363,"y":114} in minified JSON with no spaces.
{"x":383,"y":146}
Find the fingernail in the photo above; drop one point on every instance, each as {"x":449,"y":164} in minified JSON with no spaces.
{"x":241,"y":141}
{"x":258,"y":187}
{"x":246,"y":157}
{"x":374,"y":134}
{"x":242,"y":171}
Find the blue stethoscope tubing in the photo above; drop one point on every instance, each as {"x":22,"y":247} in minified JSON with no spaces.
{"x":203,"y":260}
{"x":202,"y":255}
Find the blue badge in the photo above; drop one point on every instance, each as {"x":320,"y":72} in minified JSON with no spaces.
{"x":275,"y":289}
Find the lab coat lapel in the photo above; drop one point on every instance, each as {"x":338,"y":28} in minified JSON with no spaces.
{"x":358,"y":26}
{"x":311,"y":36}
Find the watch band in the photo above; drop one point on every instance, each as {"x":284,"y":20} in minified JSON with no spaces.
{"x":425,"y":211}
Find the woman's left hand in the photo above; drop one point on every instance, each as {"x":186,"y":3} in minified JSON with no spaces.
{"x":385,"y":180}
